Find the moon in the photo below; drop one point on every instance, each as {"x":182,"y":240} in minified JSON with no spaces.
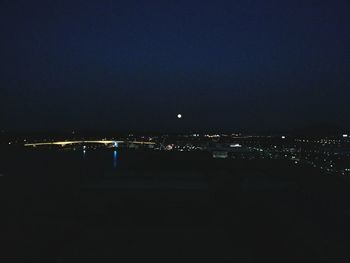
{"x":179,"y":116}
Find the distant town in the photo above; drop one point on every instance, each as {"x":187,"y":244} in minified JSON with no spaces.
{"x":330,"y":154}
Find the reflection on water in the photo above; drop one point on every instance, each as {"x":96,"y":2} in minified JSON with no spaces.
{"x":115,"y":159}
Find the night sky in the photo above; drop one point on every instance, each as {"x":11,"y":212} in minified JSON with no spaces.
{"x":134,"y":65}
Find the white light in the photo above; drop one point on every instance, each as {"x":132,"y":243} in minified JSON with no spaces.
{"x":235,"y":145}
{"x":283,"y":137}
{"x":345,"y":135}
{"x":179,"y":116}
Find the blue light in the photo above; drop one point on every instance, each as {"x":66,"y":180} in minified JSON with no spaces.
{"x":115,"y":159}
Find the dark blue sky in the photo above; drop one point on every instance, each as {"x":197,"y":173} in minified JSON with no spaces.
{"x":132,"y":65}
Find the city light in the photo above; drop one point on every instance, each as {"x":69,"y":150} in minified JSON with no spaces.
{"x":244,"y":147}
{"x":179,"y":116}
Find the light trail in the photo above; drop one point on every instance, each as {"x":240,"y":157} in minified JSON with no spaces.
{"x":105,"y":142}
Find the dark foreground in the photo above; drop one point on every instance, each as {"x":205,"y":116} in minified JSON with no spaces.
{"x":170,"y":208}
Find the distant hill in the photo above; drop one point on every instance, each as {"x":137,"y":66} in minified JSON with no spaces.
{"x":324,"y":129}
